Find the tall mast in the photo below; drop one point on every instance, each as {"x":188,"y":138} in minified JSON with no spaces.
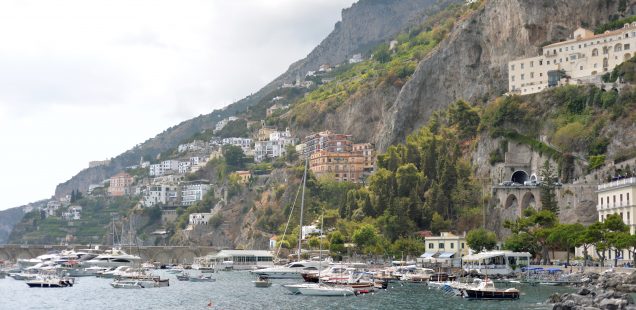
{"x":302,"y":207}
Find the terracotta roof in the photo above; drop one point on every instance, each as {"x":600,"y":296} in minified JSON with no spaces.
{"x":121,"y":175}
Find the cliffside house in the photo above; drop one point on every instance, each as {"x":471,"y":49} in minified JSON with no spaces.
{"x":583,"y":58}
{"x":120,"y":184}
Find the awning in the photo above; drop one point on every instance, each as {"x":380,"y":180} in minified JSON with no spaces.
{"x":427,"y":255}
{"x":446,"y":255}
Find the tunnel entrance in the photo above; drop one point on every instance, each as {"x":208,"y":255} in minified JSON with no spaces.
{"x":520,"y":176}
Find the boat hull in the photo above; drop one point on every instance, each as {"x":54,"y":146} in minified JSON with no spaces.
{"x":322,"y":291}
{"x":498,"y":295}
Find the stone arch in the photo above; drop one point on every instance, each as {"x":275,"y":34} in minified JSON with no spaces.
{"x":519,"y":176}
{"x":186,"y":257}
{"x":511,"y":201}
{"x":163,"y":257}
{"x":528,"y":201}
{"x":627,"y":56}
{"x":595,"y":52}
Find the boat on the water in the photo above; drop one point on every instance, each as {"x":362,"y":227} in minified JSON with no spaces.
{"x":262,"y":282}
{"x":51,"y":282}
{"x":126,"y":284}
{"x":295,"y":288}
{"x":326,"y":290}
{"x":202,"y":278}
{"x":486,"y":290}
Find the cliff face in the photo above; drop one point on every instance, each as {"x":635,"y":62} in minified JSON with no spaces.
{"x":472,"y":63}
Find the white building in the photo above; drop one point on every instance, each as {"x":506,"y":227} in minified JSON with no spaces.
{"x":583,"y":58}
{"x":244,"y":143}
{"x":356,"y":58}
{"x":200,"y":218}
{"x":74,"y":213}
{"x":161,"y":194}
{"x":164,"y":167}
{"x":184,"y":167}
{"x":447,"y":242}
{"x":224,"y":122}
{"x":309,"y":230}
{"x":193,"y":193}
{"x":616,"y":197}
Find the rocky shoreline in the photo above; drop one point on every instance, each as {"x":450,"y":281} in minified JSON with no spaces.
{"x":607,"y":291}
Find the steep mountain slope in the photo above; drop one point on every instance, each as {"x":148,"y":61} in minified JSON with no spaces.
{"x":363,"y":26}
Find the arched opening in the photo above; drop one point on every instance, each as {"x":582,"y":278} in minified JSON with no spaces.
{"x":618,"y":47}
{"x":606,"y":50}
{"x":511,"y":202}
{"x":533,"y":178}
{"x":595,"y":52}
{"x":605,"y":64}
{"x":520,"y":177}
{"x":528,"y":201}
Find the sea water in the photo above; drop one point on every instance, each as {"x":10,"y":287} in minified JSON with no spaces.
{"x":235,"y":290}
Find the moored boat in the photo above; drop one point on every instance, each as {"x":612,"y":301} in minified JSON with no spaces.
{"x":486,"y":290}
{"x":326,"y":290}
{"x":262,"y":282}
{"x":51,"y":282}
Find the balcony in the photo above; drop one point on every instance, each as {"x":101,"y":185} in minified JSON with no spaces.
{"x":617,"y":183}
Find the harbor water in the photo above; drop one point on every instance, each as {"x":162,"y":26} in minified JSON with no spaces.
{"x":235,"y":290}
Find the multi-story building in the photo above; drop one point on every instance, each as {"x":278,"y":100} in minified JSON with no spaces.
{"x":328,"y":141}
{"x":617,"y":197}
{"x":120,"y":184}
{"x":192,"y":193}
{"x":166,"y":166}
{"x":344,"y":166}
{"x":368,"y":153}
{"x":264,"y":132}
{"x":583,"y":58}
{"x":184,"y":166}
{"x":244,"y":143}
{"x":447,"y":242}
{"x":244,"y":176}
{"x":161,"y":194}
{"x":273,"y":148}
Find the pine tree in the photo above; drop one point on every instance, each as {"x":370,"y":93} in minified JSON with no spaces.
{"x":548,"y":196}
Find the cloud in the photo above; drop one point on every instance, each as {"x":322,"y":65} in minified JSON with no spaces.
{"x":85,"y":80}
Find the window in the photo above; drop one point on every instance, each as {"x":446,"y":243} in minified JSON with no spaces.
{"x":601,"y":202}
{"x":579,"y":45}
{"x":441,"y":245}
{"x":521,"y":66}
{"x":560,"y":49}
{"x":595,"y":65}
{"x":522,"y":76}
{"x":581,"y":68}
{"x":512,"y":78}
{"x":628,"y":198}
{"x":602,"y":218}
{"x":541,"y":61}
{"x":548,"y":62}
{"x":621,"y":199}
{"x":540,"y":74}
{"x":512,"y":67}
{"x":462,"y":245}
{"x":431,"y":245}
{"x":626,"y":46}
{"x":531,"y":64}
{"x":452,"y":245}
{"x":628,"y":218}
{"x":531,"y":75}
{"x":614,"y":199}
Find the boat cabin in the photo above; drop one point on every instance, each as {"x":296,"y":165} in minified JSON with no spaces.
{"x":240,"y":259}
{"x":496,"y":262}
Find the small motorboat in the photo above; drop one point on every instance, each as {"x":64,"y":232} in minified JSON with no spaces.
{"x":51,"y":282}
{"x":486,"y":290}
{"x":127,"y":284}
{"x":202,"y":278}
{"x":295,"y":288}
{"x":262,"y":282}
{"x":183,"y":277}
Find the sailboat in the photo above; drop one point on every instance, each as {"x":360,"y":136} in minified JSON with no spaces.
{"x":292,"y":270}
{"x":322,"y":289}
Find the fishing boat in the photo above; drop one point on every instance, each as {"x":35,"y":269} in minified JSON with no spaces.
{"x":262,"y":282}
{"x":486,"y":290}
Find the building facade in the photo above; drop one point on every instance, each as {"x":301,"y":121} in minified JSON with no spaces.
{"x":448,"y":243}
{"x":200,"y":218}
{"x":617,"y":197}
{"x":244,"y":143}
{"x":120,"y":184}
{"x":583,"y":58}
{"x":161,"y":194}
{"x":192,"y":193}
{"x":328,"y":141}
{"x":344,"y":166}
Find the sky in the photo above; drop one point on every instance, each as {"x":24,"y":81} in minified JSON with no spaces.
{"x":87,"y":80}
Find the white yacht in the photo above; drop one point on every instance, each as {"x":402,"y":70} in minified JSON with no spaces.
{"x":114,"y":258}
{"x":326,"y":290}
{"x":290,"y":271}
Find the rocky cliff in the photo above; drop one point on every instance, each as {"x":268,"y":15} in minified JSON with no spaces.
{"x":472,"y":63}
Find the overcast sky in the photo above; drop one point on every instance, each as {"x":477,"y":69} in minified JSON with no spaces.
{"x":86,"y":80}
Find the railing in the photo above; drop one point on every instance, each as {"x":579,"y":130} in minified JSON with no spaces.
{"x":627,"y":181}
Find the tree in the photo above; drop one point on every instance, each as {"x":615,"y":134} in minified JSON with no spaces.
{"x":548,"y":197}
{"x":233,"y":155}
{"x":336,"y":246}
{"x":586,"y":238}
{"x":381,"y":54}
{"x":408,"y":246}
{"x":535,"y":228}
{"x":365,"y":237}
{"x":438,"y":224}
{"x":481,"y":239}
{"x":290,"y":153}
{"x":566,"y":236}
